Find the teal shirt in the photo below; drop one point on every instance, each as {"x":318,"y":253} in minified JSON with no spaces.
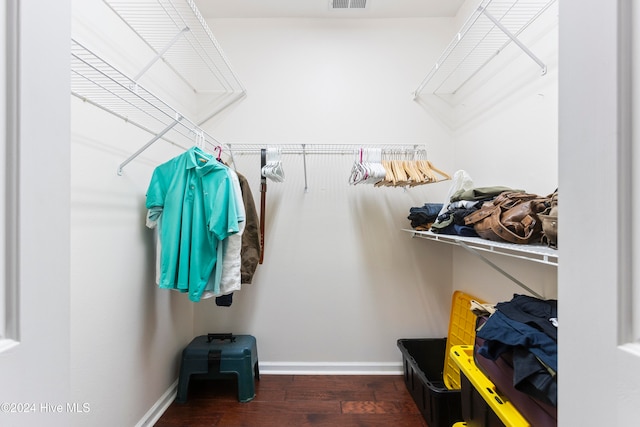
{"x":194,"y":194}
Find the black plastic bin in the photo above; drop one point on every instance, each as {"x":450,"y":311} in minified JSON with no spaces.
{"x":423,"y":361}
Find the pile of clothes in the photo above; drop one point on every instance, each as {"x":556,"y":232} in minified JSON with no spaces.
{"x":449,"y":218}
{"x":527,"y":329}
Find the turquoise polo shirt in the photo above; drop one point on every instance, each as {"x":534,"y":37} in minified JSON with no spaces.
{"x":197,"y":203}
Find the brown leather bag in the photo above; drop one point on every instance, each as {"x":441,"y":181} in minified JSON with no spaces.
{"x":511,"y":217}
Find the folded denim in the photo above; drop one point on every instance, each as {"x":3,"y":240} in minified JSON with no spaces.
{"x":424,"y":214}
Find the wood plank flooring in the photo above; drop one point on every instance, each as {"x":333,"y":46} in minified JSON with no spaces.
{"x":299,"y":401}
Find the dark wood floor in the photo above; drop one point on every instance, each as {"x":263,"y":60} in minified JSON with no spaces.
{"x":299,"y":401}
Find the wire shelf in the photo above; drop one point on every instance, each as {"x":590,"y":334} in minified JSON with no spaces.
{"x":324,"y":148}
{"x":176,"y":31}
{"x":95,"y":81}
{"x":531,"y":252}
{"x":491,"y":27}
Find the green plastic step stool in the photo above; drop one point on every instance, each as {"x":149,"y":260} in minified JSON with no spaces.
{"x":219,"y":355}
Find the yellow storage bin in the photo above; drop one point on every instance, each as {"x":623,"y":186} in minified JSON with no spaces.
{"x":507,"y":414}
{"x":462,"y":330}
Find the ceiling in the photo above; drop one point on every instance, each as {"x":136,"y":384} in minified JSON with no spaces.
{"x":320,"y":9}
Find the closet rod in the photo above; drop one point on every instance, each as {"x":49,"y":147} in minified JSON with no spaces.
{"x":322,"y":148}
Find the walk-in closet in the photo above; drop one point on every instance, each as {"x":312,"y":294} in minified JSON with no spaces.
{"x":338,"y":118}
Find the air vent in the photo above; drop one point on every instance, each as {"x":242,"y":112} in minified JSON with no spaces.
{"x":347,"y":4}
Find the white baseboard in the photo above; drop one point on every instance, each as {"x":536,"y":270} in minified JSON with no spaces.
{"x":331,"y":368}
{"x":156,"y":411}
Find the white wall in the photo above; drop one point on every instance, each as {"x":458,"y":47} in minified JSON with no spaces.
{"x":506,"y":117}
{"x":126,"y":334}
{"x":340,"y":282}
{"x":332,"y":81}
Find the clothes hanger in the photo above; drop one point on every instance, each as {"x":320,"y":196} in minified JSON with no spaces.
{"x":426,"y":171}
{"x":273,"y":167}
{"x":399,"y":173}
{"x":415,"y":177}
{"x":358,"y":171}
{"x":373,"y":165}
{"x":443,"y":173}
{"x":387,"y":178}
{"x":355,"y":170}
{"x":364,"y":165}
{"x":199,"y":144}
{"x":219,"y":156}
{"x":421,"y":164}
{"x":388,"y":172}
{"x":381,"y":172}
{"x":278,"y":170}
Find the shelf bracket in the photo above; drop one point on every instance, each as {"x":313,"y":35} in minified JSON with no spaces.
{"x":498,"y":269}
{"x":161,"y":53}
{"x":514,"y":39}
{"x":148,"y":144}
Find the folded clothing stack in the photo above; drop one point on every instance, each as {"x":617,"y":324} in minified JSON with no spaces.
{"x":424,"y":216}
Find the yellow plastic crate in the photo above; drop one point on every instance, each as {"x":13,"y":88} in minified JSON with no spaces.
{"x":499,"y":404}
{"x":462,"y":330}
